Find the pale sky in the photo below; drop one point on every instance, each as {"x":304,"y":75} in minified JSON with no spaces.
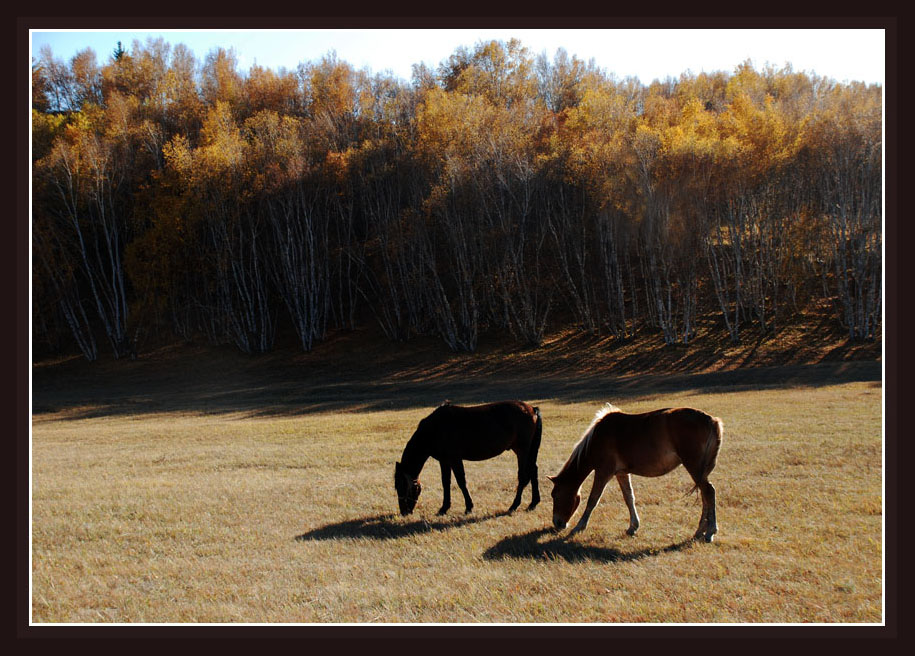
{"x":648,"y":54}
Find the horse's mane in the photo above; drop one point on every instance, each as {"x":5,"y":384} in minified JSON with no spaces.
{"x":581,"y":447}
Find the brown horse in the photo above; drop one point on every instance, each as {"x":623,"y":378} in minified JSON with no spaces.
{"x":453,"y":433}
{"x":648,"y":444}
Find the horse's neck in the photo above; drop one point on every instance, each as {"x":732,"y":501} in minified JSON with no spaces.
{"x":575,"y":472}
{"x":414,"y":457}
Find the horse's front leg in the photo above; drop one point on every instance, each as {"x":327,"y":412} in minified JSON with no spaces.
{"x":446,"y":487}
{"x":626,"y":487}
{"x":458,"y":466}
{"x":600,"y":481}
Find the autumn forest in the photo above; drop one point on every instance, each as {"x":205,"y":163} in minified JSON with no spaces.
{"x":501,"y":192}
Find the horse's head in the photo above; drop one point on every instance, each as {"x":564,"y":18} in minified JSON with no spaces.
{"x":408,"y":489}
{"x":565,"y":501}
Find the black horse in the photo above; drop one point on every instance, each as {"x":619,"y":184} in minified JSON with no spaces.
{"x":453,"y":433}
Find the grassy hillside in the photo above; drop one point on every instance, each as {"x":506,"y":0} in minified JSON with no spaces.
{"x":196,"y":485}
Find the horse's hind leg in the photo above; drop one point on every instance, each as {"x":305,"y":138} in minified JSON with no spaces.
{"x":533,"y":449}
{"x":626,"y":487}
{"x":708,"y":525}
{"x":535,"y":488}
{"x":703,"y":518}
{"x":517,"y":501}
{"x":524,"y":477}
{"x":458,"y":467}
{"x":446,"y":488}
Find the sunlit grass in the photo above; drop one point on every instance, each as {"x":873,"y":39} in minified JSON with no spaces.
{"x":183,"y":517}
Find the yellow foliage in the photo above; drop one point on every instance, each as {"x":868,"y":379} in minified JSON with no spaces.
{"x":222,"y":146}
{"x":333,"y":88}
{"x":45,"y":129}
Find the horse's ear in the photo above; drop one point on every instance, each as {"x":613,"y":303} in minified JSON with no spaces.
{"x":552,"y":479}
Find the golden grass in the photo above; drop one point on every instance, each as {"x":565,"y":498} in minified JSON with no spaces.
{"x":189,"y":517}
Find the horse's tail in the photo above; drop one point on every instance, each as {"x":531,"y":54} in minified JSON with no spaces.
{"x":538,"y":432}
{"x":535,"y":438}
{"x":710,"y":453}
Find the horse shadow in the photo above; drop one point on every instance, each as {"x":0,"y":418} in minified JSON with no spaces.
{"x":387,"y":527}
{"x":528,"y":545}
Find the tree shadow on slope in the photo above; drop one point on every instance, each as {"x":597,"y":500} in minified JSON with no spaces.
{"x":361,"y":372}
{"x":529,"y":546}
{"x":277,"y":398}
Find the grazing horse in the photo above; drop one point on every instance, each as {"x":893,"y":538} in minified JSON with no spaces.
{"x":453,"y":433}
{"x":648,"y":444}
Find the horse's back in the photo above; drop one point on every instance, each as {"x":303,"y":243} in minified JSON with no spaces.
{"x":505,"y":413}
{"x":691,"y":416}
{"x":481,"y":432}
{"x":656,"y":442}
{"x":664,"y":419}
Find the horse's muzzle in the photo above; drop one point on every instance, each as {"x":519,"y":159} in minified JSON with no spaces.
{"x":559,"y":524}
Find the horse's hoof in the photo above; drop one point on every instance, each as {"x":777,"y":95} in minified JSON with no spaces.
{"x":467,"y":511}
{"x":442,"y":511}
{"x":533,"y":505}
{"x":709,"y":537}
{"x":631,"y":531}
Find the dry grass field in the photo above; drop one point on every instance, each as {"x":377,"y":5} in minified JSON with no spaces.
{"x":220,"y":496}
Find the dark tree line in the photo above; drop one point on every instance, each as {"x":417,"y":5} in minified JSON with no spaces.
{"x":500,"y":192}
